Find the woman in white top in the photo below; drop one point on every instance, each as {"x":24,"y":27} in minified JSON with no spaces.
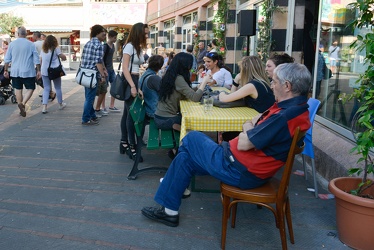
{"x":50,"y":44}
{"x":214,"y":45}
{"x":132,"y":51}
{"x":220,"y":76}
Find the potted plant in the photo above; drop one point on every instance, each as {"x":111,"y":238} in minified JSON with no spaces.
{"x":354,"y":195}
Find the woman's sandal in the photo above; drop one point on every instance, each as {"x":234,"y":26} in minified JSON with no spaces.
{"x":124,"y":148}
{"x":132,"y":153}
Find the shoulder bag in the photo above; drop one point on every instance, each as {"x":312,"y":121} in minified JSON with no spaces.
{"x":54,"y":73}
{"x":136,"y":107}
{"x":120,"y":88}
{"x":86,"y":77}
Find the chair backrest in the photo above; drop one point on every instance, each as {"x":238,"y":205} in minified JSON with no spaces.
{"x":295,"y":149}
{"x":313,"y":107}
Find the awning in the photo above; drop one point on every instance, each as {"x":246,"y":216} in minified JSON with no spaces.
{"x":51,"y":30}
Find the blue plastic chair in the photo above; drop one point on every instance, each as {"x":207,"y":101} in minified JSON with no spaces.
{"x":308,"y":150}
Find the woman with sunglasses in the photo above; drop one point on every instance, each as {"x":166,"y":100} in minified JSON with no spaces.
{"x":254,"y":88}
{"x":217,"y":71}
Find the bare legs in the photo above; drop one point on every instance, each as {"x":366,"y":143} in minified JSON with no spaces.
{"x":21,"y":99}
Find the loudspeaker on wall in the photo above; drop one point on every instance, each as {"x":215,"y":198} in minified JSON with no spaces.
{"x":247,"y":23}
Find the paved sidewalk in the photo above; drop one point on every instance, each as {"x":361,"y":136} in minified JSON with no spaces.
{"x":64,"y":186}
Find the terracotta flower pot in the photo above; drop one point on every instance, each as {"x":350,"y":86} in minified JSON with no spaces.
{"x":354,"y":215}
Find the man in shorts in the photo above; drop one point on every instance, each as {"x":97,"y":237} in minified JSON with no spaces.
{"x":23,"y":55}
{"x":109,"y":50}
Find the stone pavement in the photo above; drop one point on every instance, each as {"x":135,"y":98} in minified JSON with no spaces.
{"x":64,"y":186}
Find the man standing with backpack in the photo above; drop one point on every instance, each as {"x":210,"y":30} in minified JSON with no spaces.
{"x":109,"y":50}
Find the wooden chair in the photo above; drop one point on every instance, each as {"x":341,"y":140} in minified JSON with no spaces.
{"x":275,"y":192}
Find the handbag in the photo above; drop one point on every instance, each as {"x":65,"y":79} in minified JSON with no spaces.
{"x":233,"y":104}
{"x":54,"y":73}
{"x":86,"y":78}
{"x":120,"y":88}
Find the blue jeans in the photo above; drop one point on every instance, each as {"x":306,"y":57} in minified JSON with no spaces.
{"x":198,"y":155}
{"x":88,"y":110}
{"x":167,"y":122}
{"x":47,"y":89}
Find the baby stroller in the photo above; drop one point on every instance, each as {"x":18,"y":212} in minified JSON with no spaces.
{"x":6,"y":89}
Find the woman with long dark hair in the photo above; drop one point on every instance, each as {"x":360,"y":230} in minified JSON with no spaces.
{"x":275,"y":60}
{"x":132,"y":52}
{"x":50,"y":44}
{"x":176,"y":86}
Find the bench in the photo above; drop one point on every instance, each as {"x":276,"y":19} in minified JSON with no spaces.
{"x":157,"y":138}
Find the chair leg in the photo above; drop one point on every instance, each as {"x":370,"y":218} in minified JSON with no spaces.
{"x":304,"y":165}
{"x":233,"y":214}
{"x":225,"y":217}
{"x":314,"y":179}
{"x":289,"y":221}
{"x":282,"y":226}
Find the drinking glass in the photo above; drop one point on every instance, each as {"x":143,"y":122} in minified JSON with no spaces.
{"x":208,"y":104}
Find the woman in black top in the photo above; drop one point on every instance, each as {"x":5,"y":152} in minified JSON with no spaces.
{"x":255,"y":87}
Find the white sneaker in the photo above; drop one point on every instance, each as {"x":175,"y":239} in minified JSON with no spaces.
{"x":104,"y":112}
{"x":62,"y":106}
{"x":114,"y":109}
{"x":98,"y":114}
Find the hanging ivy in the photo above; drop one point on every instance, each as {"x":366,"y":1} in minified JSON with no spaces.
{"x":196,"y":39}
{"x":265,"y":43}
{"x":219,"y":25}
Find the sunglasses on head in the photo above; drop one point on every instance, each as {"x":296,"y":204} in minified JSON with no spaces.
{"x":212,"y":55}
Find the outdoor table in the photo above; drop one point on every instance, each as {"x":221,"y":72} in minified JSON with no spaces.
{"x":219,"y":119}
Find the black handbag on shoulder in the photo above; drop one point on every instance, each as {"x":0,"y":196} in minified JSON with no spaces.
{"x":54,"y":73}
{"x":120,"y":88}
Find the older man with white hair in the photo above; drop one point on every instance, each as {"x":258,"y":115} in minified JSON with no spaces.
{"x":23,"y":55}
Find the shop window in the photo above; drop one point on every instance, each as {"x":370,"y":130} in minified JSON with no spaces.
{"x":153,"y":36}
{"x":169,"y":31}
{"x":243,"y":2}
{"x":345,"y":64}
{"x":210,"y":12}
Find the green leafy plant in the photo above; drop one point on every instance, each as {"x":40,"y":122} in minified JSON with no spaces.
{"x":265,"y":43}
{"x":8,"y":21}
{"x":219,"y":28}
{"x":363,"y":122}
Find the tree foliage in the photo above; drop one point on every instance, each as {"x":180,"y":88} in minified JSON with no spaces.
{"x":8,"y":22}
